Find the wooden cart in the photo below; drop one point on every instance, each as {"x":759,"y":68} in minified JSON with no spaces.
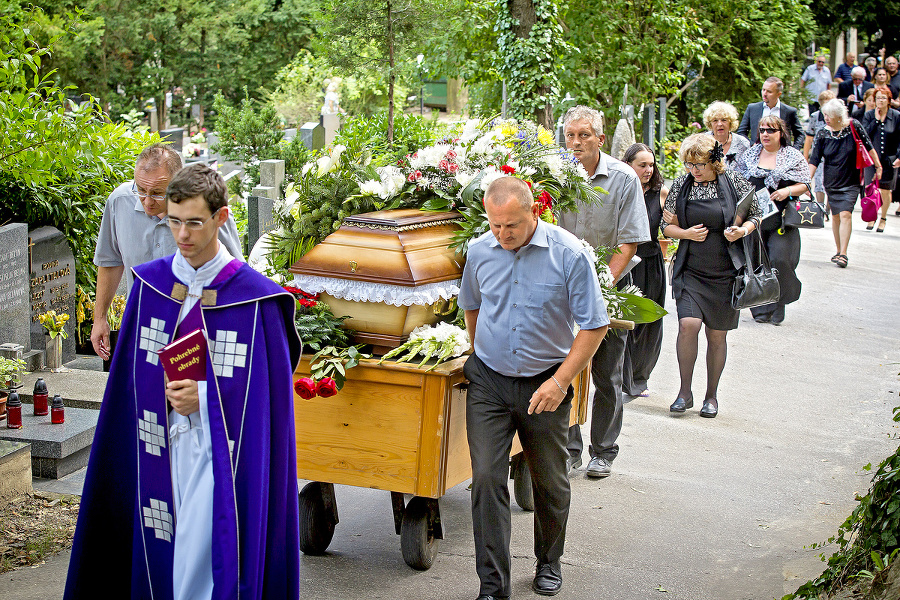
{"x":397,"y":428}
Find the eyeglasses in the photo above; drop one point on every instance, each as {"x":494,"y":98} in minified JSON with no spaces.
{"x":690,"y":166}
{"x":193,"y":224}
{"x":768,"y":130}
{"x":140,"y":194}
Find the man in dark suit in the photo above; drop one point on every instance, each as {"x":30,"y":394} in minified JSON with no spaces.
{"x":771,"y":106}
{"x":853,"y":91}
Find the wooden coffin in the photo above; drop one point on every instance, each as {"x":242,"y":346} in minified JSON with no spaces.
{"x":407,"y":248}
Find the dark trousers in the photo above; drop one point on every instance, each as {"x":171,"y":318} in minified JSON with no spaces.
{"x":783,"y":250}
{"x":606,"y":413}
{"x":497,"y":408}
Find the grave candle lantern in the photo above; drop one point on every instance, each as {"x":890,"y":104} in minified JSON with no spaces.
{"x":13,"y":411}
{"x":40,"y":396}
{"x":57,"y":410}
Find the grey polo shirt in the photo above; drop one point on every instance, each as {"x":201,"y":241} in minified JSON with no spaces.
{"x":529,"y":300}
{"x":128,"y":237}
{"x":621,"y":216}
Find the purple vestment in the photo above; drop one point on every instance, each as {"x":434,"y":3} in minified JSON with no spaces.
{"x":126,"y":523}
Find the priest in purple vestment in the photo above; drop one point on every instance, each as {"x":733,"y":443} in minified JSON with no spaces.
{"x":191,"y":488}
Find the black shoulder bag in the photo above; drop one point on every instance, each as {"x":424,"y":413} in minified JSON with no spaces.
{"x":755,"y":284}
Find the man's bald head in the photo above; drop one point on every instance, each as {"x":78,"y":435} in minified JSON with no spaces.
{"x":504,"y":189}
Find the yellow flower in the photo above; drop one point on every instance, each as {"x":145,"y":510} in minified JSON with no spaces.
{"x":509,"y":129}
{"x":545,"y":137}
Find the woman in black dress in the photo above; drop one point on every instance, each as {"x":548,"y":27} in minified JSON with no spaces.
{"x":644,"y":342}
{"x":882,"y":124}
{"x":703,"y":202}
{"x":773,"y":165}
{"x":835,"y":144}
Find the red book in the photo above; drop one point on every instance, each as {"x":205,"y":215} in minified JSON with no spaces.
{"x":185,"y":358}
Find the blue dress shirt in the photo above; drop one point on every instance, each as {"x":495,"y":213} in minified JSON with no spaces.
{"x":529,"y":300}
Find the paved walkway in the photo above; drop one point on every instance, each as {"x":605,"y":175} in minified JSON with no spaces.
{"x":696,"y":509}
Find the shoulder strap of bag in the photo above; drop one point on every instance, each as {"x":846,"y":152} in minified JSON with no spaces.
{"x":749,"y":254}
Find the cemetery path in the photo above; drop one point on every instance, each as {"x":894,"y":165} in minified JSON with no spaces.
{"x":696,"y":509}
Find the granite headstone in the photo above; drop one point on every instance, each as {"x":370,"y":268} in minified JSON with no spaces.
{"x":312,"y":135}
{"x":260,"y":217}
{"x":175,"y":137}
{"x":15,"y":323}
{"x":271,"y":174}
{"x":52,"y":285}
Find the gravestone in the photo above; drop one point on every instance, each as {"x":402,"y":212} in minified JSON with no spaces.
{"x":260,"y":217}
{"x":175,"y":136}
{"x":271,"y":174}
{"x":290,"y":133}
{"x":52,"y":285}
{"x":661,"y":132}
{"x":15,"y":323}
{"x":312,"y":135}
{"x":648,"y":125}
{"x":331,"y":123}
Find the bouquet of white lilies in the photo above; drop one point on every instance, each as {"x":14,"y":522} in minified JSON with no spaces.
{"x":442,"y":341}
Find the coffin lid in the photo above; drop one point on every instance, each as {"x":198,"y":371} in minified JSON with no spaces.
{"x":406,"y":247}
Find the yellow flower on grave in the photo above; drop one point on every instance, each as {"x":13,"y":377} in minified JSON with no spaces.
{"x":54,"y":323}
{"x":509,"y":129}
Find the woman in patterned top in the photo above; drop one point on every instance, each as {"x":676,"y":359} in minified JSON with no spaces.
{"x":701,"y":213}
{"x":779,"y":169}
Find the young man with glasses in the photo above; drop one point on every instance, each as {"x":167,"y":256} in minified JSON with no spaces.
{"x":134,"y":231}
{"x":191,"y":488}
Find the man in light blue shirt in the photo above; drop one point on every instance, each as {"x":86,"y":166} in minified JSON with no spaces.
{"x":816,"y":79}
{"x":525,"y":285}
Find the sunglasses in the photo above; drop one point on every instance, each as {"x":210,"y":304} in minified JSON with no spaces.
{"x":769,"y":130}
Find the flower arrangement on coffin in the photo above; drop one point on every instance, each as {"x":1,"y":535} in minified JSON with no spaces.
{"x":454,"y":174}
{"x":443,"y":341}
{"x":321,"y":331}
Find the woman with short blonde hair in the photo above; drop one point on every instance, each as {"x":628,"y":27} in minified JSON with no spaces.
{"x":721,"y":119}
{"x":702,"y":205}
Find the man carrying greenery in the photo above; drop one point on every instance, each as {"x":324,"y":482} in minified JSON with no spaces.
{"x":135,"y":230}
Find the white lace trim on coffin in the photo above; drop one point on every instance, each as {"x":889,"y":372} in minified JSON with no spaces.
{"x":365,"y":291}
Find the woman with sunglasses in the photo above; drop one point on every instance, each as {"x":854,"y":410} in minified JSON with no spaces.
{"x":773,"y":165}
{"x":882,"y":124}
{"x":701,"y":206}
{"x":837,"y":146}
{"x":644,"y":343}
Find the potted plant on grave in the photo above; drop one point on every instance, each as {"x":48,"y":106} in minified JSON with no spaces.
{"x":55,"y":325}
{"x":11,"y":371}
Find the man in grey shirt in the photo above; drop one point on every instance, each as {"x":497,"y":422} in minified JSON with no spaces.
{"x":619,"y":221}
{"x":134,"y":230}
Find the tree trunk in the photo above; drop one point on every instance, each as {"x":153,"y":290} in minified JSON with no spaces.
{"x":524,"y":12}
{"x":390,"y":49}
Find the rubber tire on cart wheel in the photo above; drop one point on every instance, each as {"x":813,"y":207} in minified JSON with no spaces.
{"x":417,"y":542}
{"x":316,"y":525}
{"x":522,"y":489}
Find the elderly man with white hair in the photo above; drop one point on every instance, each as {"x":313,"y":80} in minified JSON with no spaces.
{"x":852,"y":92}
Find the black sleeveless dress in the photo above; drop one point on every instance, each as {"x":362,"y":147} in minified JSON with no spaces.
{"x":645,"y":341}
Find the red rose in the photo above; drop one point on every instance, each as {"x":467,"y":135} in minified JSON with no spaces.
{"x":326,"y":387}
{"x":305,"y":388}
{"x":453,"y":168}
{"x":444,"y":165}
{"x":307,"y":303}
{"x":507,"y":169}
{"x":292,"y":290}
{"x":546,"y":200}
{"x":451,"y":154}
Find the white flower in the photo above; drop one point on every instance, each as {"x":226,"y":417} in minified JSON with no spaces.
{"x":485,"y":144}
{"x":463,"y":178}
{"x":392,"y":181}
{"x":325,"y":165}
{"x":370,"y":188}
{"x":306,"y":168}
{"x":490,"y":174}
{"x":337,"y":151}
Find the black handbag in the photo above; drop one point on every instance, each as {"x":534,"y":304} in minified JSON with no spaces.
{"x":806,"y":214}
{"x":755,"y":284}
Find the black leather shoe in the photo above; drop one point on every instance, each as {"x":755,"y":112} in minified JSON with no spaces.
{"x":598,"y":467}
{"x":680,"y":405}
{"x":487,"y":597}
{"x":573,"y":463}
{"x":547,"y":579}
{"x":710,"y":408}
{"x":763,"y":318}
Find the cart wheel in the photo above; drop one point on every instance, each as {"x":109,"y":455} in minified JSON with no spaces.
{"x":316,"y":521}
{"x":418,"y":543}
{"x":522,"y":490}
